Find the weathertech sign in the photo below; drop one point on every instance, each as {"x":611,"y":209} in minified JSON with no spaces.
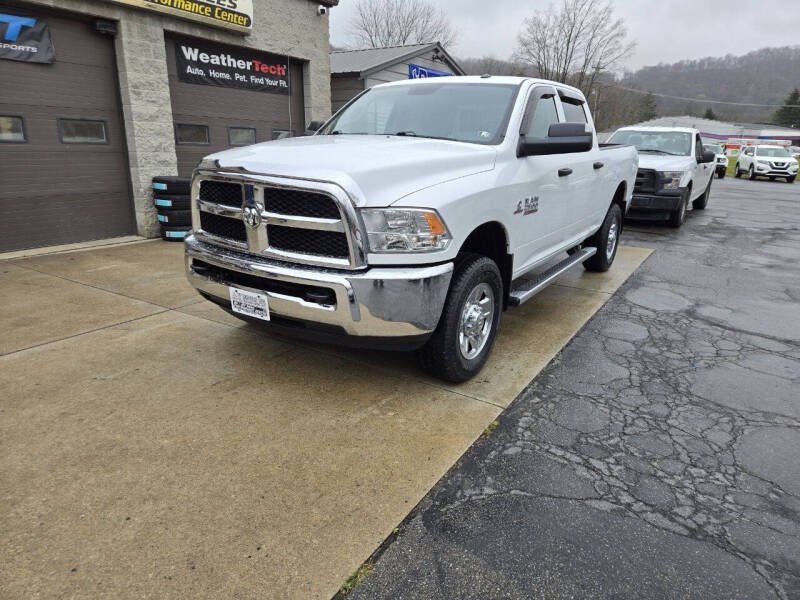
{"x":231,"y":14}
{"x":212,"y":64}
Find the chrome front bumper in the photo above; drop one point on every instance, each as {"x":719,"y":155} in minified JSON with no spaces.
{"x":379,"y":302}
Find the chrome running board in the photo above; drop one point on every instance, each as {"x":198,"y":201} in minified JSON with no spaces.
{"x":530,"y":287}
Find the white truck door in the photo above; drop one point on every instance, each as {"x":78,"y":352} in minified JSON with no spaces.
{"x":534,"y":190}
{"x":586,"y":192}
{"x":703,"y":171}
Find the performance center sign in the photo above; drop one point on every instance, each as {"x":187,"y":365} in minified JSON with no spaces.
{"x":25,"y":38}
{"x":230,"y":14}
{"x":212,"y":64}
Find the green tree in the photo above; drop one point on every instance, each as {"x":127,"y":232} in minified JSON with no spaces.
{"x":789,"y":114}
{"x":710,"y":115}
{"x":648,"y":107}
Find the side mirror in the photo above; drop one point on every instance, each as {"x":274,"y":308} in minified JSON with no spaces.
{"x":709,"y":157}
{"x":314,"y":127}
{"x":562,"y":138}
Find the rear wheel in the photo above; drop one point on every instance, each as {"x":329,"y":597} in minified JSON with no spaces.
{"x":606,"y":240}
{"x":467,"y":329}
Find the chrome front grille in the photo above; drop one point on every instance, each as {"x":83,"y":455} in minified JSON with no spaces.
{"x":314,"y":225}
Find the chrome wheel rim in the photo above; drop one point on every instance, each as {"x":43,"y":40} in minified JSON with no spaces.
{"x":477,"y":317}
{"x":611,"y":242}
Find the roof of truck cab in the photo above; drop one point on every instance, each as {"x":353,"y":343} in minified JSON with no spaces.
{"x":660,"y":129}
{"x":492,"y":79}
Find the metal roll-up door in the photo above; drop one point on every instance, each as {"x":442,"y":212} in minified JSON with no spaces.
{"x":63,"y":165}
{"x":209,"y":117}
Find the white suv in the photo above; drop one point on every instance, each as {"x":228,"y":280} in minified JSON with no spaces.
{"x":721,"y":161}
{"x":767,"y":161}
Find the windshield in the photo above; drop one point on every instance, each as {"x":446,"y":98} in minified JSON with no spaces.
{"x":772,"y":152}
{"x":713,"y":148}
{"x":656,"y":142}
{"x":476,"y":113}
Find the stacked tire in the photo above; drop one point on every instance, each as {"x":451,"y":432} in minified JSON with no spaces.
{"x":172,"y":199}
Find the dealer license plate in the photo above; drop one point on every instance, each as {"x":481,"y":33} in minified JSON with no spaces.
{"x":249,"y":304}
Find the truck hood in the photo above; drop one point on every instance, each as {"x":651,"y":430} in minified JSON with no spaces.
{"x":375,"y":170}
{"x":662,"y":162}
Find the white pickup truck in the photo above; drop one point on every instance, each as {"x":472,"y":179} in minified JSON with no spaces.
{"x":407,"y":220}
{"x":674,"y":171}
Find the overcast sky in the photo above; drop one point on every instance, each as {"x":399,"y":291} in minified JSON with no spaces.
{"x":664,"y":30}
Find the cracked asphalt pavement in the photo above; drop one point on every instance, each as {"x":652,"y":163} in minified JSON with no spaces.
{"x":658,"y":456}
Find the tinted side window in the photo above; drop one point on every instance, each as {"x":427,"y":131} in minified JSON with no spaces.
{"x":574,"y":113}
{"x":186,"y":133}
{"x":82,"y":131}
{"x":241,"y":136}
{"x":12,"y":129}
{"x":544,"y":115}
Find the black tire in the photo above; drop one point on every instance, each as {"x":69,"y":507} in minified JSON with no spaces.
{"x":678,"y":216}
{"x":772,"y":179}
{"x":606,"y":240}
{"x":722,"y":175}
{"x":442,"y":356}
{"x":175,"y":218}
{"x":736,"y":172}
{"x":752,"y":173}
{"x":174,"y":234}
{"x":171,"y":201}
{"x":172,"y":185}
{"x":702,"y":201}
{"x":790,"y":179}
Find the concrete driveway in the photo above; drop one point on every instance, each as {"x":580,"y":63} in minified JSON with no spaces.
{"x":152,"y":446}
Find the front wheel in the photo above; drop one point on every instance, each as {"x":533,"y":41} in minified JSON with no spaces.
{"x":752,"y":172}
{"x":678,"y":216}
{"x":467,"y":329}
{"x":722,"y":175}
{"x":606,"y":240}
{"x":736,"y":172}
{"x":790,"y":179}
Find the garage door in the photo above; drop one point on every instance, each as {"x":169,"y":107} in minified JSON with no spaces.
{"x":63,"y":166}
{"x":224,"y":96}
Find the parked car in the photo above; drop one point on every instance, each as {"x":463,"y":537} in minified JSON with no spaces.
{"x":674,"y":170}
{"x":767,"y":161}
{"x":407,"y":221}
{"x":721,"y":160}
{"x":795,"y":152}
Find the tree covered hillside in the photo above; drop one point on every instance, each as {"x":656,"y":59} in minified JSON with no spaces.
{"x":765,"y":76}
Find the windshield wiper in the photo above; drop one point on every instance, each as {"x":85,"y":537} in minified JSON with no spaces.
{"x":658,"y":151}
{"x":427,"y":137}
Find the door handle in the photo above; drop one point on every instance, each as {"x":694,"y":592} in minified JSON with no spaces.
{"x":598,"y":165}
{"x":564,"y":172}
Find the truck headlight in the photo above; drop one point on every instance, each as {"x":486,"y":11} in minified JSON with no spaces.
{"x":671,"y":180}
{"x":404,"y":230}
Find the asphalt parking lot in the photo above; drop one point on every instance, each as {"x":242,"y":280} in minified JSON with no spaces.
{"x":659,"y":455}
{"x":155,"y":447}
